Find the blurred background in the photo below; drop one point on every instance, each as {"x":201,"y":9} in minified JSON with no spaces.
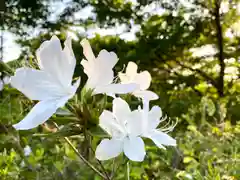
{"x":190,"y":47}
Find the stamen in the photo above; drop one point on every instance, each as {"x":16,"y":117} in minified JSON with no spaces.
{"x":169,"y":128}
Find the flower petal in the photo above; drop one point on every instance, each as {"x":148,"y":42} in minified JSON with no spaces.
{"x":110,"y":124}
{"x":121,"y":108}
{"x":134,"y":123}
{"x":100,"y":71}
{"x":69,"y":61}
{"x":134,"y":148}
{"x":57,"y":62}
{"x":143,"y":79}
{"x":49,"y":56}
{"x":131,"y":69}
{"x":108,"y":149}
{"x":146,"y":95}
{"x":40,"y":113}
{"x":131,"y":72}
{"x":87,"y":50}
{"x":154,"y":117}
{"x":161,"y":138}
{"x":107,"y":59}
{"x":35,"y":84}
{"x":116,"y":88}
{"x":99,"y":78}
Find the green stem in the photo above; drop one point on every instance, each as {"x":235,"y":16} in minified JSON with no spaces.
{"x":99,"y":162}
{"x":128,"y":171}
{"x":81,"y":157}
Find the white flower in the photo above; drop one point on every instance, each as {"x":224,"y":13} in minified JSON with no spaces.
{"x":6,"y":80}
{"x":143,"y":79}
{"x":150,"y":121}
{"x":1,"y":85}
{"x":27,"y":150}
{"x":125,"y":129}
{"x":51,"y":85}
{"x":100,"y":73}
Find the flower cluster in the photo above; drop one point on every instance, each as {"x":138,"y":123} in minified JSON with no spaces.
{"x":52,"y":86}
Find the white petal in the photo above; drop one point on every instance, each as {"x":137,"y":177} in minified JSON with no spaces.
{"x":61,"y":101}
{"x":161,"y":138}
{"x":69,"y":61}
{"x":108,"y":149}
{"x":154,"y":117}
{"x":143,"y":79}
{"x":88,"y":67}
{"x":35,"y":84}
{"x":116,"y":88}
{"x":134,"y":123}
{"x":40,"y":113}
{"x":131,"y":69}
{"x":146,"y":95}
{"x":131,"y":72}
{"x":121,"y":109}
{"x":134,"y":148}
{"x":55,"y":61}
{"x":49,"y":55}
{"x":99,"y":73}
{"x":75,"y":86}
{"x":110,"y":124}
{"x":99,"y":78}
{"x":87,"y":50}
{"x":107,"y":59}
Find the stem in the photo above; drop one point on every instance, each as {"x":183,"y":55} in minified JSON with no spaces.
{"x":117,"y":167}
{"x":128,"y":171}
{"x":99,"y":162}
{"x":145,"y":114}
{"x":80,"y":156}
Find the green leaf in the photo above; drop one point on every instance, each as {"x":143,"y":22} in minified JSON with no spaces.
{"x":97,"y":132}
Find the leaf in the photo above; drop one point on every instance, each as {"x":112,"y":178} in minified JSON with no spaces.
{"x":208,"y":106}
{"x":97,"y":132}
{"x":63,"y":112}
{"x":188,"y":159}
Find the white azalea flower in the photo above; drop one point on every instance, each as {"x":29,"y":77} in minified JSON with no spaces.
{"x":27,"y":150}
{"x":1,"y":85}
{"x":51,"y":85}
{"x":100,"y":73}
{"x":150,"y":121}
{"x":125,"y":129}
{"x":6,"y":80}
{"x":143,"y":79}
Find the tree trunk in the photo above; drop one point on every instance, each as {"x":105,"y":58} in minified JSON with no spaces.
{"x":220,"y":48}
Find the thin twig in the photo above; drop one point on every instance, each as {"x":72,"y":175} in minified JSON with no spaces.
{"x":81,"y":157}
{"x":113,"y":167}
{"x":117,"y":167}
{"x":100,"y":163}
{"x":128,"y":171}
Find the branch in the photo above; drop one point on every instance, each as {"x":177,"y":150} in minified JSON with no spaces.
{"x":201,"y":73}
{"x":177,"y":74}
